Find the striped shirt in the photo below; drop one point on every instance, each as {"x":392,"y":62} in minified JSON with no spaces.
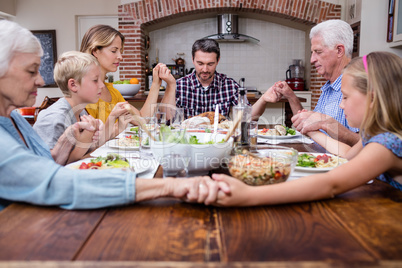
{"x":329,"y":101}
{"x":195,"y":99}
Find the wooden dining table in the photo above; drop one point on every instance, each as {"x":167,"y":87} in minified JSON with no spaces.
{"x":360,"y":228}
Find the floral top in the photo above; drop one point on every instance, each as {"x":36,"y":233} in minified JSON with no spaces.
{"x":393,"y":143}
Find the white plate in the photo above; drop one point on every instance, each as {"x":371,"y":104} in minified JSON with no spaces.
{"x":298,"y":134}
{"x":113,"y":144}
{"x":139,"y":165}
{"x":314,"y":169}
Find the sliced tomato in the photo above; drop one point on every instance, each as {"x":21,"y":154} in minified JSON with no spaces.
{"x":83,"y":166}
{"x":278,"y":175}
{"x":323,"y":157}
{"x":264,"y":130}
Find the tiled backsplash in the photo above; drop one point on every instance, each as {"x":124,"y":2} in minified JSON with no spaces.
{"x":262,"y":64}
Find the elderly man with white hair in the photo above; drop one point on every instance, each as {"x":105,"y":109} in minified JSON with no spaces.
{"x":331,"y":51}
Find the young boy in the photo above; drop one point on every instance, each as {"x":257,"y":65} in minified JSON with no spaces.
{"x":78,"y":76}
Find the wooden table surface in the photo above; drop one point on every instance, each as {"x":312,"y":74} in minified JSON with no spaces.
{"x":361,"y":228}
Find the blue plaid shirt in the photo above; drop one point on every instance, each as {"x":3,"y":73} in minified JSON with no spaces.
{"x":329,"y":101}
{"x":195,"y":99}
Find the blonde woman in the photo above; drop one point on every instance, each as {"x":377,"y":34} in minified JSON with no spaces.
{"x":106,"y":44}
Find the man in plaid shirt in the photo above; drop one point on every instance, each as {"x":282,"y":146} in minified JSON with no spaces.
{"x":205,"y":88}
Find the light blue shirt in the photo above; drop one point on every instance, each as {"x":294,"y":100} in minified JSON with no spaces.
{"x":29,"y":174}
{"x":328,"y":103}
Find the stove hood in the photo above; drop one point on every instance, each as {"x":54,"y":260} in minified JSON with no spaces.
{"x":228,"y":30}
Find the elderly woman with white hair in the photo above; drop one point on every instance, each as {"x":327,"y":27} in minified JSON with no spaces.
{"x":28,"y":171}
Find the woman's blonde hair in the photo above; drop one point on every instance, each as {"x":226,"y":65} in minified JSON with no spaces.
{"x":98,"y":37}
{"x":381,"y":82}
{"x":72,"y":65}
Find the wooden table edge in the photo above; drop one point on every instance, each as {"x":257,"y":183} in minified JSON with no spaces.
{"x":138,"y":264}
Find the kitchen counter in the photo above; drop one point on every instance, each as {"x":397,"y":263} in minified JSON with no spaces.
{"x":141,"y":97}
{"x":276,"y":110}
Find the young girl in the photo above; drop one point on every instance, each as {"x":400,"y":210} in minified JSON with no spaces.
{"x":372,"y":98}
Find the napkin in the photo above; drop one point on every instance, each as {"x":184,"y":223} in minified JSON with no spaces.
{"x":298,"y":139}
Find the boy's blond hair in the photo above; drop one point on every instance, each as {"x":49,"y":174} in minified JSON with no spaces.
{"x":72,"y":65}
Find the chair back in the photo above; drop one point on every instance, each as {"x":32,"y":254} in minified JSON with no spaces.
{"x":45,"y":104}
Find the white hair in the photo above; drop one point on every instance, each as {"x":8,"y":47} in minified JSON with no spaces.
{"x":15,"y":39}
{"x":334,"y":32}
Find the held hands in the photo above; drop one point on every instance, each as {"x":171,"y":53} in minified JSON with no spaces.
{"x":121,"y":109}
{"x":165,"y":74}
{"x":222,"y":190}
{"x":85,"y":132}
{"x":198,"y":189}
{"x":272,"y":94}
{"x":162,"y":72}
{"x":277,"y":91}
{"x":238,"y":194}
{"x":306,"y":121}
{"x":123,"y":116}
{"x":283,"y":88}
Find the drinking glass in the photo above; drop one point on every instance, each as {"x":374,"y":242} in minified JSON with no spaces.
{"x":175,"y":156}
{"x":175,"y":164}
{"x":177,"y":118}
{"x":160,"y":113}
{"x":150,"y":124}
{"x":253,"y":132}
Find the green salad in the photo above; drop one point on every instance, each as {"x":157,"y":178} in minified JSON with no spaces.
{"x":306,"y":160}
{"x":169,"y":136}
{"x":134,"y":129}
{"x":290,"y":131}
{"x":112,"y":159}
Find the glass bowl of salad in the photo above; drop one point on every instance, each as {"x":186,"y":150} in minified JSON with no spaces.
{"x":262,"y":164}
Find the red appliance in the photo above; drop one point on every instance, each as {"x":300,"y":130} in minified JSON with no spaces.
{"x":295,"y":76}
{"x":296,"y":84}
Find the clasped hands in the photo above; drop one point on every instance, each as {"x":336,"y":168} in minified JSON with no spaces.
{"x":221,"y":190}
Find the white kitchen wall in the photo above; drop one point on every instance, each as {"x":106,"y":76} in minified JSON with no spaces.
{"x":261,"y":64}
{"x":373,"y":32}
{"x":59,"y":15}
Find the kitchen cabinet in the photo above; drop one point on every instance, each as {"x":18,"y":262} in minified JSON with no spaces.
{"x":305,"y":95}
{"x":274,"y":114}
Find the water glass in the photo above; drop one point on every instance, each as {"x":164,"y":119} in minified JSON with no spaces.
{"x":177,"y":117}
{"x":175,"y":164}
{"x":144,"y":148}
{"x":175,"y":156}
{"x":253,"y":132}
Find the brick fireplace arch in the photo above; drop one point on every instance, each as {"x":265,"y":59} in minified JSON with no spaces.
{"x":136,"y":16}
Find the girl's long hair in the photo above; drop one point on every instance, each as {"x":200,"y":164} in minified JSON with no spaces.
{"x":382,"y":84}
